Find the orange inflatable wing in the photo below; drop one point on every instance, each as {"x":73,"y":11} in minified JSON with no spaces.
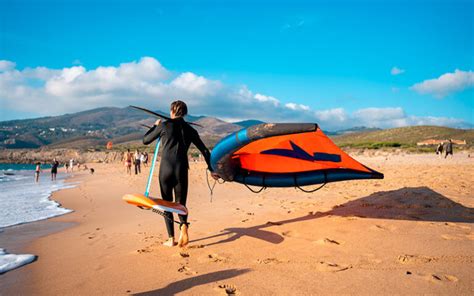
{"x":285,"y":155}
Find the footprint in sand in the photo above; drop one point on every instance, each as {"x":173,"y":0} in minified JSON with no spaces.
{"x":217,"y":258}
{"x":368,"y":261}
{"x":411,"y":259}
{"x":269,"y":261}
{"x":328,"y":241}
{"x":145,"y":250}
{"x":457,"y":226}
{"x":146,"y":238}
{"x":331,"y":267}
{"x":150,"y":248}
{"x":228,"y":289}
{"x":184,"y":254}
{"x":438,"y":278}
{"x":196,"y":247}
{"x":186,"y":270}
{"x":382,"y":227}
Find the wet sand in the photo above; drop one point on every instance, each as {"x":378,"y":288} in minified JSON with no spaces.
{"x":410,"y":233}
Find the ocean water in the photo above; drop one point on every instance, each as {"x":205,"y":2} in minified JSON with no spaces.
{"x":22,"y":201}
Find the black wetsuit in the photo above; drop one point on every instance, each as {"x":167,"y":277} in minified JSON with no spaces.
{"x":176,"y":137}
{"x":448,"y":149}
{"x":54,"y":167}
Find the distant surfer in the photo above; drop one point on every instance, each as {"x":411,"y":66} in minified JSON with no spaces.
{"x":54,"y":169}
{"x":176,"y":136}
{"x":137,"y":157}
{"x":128,"y":161}
{"x":71,"y":164}
{"x":448,"y":148}
{"x":144,"y":159}
{"x":38,"y":170}
{"x":439,"y":149}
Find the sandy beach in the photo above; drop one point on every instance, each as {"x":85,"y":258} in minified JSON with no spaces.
{"x":410,"y":233}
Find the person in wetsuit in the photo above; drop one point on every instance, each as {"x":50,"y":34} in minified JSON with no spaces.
{"x":54,"y":169}
{"x":449,"y":148}
{"x":176,"y":136}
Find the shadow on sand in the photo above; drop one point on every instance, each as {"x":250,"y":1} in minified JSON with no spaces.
{"x":416,"y":204}
{"x":183,"y":285}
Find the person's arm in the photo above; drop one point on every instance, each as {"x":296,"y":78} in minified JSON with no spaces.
{"x":196,"y":140}
{"x":153,"y":134}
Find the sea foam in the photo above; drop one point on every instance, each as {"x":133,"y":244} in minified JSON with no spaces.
{"x":12,"y":261}
{"x":22,"y":201}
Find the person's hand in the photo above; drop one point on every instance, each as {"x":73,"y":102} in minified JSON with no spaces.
{"x":158,"y":122}
{"x":215,"y":176}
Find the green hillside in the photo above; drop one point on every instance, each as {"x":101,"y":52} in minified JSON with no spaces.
{"x":402,"y":137}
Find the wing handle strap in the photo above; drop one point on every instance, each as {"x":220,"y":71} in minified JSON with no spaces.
{"x":312,"y":190}
{"x":211,"y":188}
{"x":256,"y":191}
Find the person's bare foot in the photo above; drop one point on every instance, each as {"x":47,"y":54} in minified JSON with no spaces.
{"x":183,"y":236}
{"x":170,"y":242}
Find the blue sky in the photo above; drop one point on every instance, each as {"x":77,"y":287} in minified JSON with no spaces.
{"x":325,"y":55}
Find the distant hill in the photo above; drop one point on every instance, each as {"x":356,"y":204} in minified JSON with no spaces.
{"x":247,"y":123}
{"x":94,"y":128}
{"x":403,"y":136}
{"x":358,"y":129}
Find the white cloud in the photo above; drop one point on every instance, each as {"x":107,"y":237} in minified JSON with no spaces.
{"x":146,"y":82}
{"x":381,"y":117}
{"x":197,"y":85}
{"x":337,"y":114}
{"x":376,"y":114}
{"x":396,"y":71}
{"x":264,"y":98}
{"x":6,"y":65}
{"x":446,"y":84}
{"x":294,"y":106}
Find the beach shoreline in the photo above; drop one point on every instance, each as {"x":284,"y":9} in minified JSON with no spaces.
{"x":16,"y":238}
{"x":411,"y":231}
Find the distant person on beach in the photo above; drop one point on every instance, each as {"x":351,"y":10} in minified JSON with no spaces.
{"x":128,"y":161}
{"x":449,"y":148}
{"x":144,"y":159}
{"x":54,"y":169}
{"x":439,"y":149}
{"x":66,"y":165}
{"x":176,"y":136}
{"x":38,"y":170}
{"x":137,"y":156}
{"x":71,"y":164}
